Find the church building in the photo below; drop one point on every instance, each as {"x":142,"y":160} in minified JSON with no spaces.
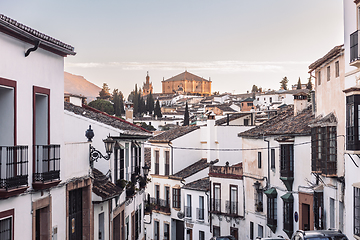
{"x":187,"y":83}
{"x":147,"y":86}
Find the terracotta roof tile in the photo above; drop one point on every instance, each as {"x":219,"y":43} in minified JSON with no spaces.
{"x":103,"y":187}
{"x":173,"y":133}
{"x":201,"y":184}
{"x":8,"y":24}
{"x":283,"y":123}
{"x":193,"y":168}
{"x":99,"y":116}
{"x":332,"y":53}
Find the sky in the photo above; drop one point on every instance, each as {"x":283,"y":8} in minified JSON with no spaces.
{"x":235,"y":43}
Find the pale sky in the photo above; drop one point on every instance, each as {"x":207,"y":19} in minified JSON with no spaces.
{"x":236,"y":43}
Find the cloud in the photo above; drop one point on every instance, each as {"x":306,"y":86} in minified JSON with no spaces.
{"x":218,"y":66}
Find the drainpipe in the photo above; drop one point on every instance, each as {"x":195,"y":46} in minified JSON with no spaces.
{"x":172,"y":158}
{"x":268,"y":182}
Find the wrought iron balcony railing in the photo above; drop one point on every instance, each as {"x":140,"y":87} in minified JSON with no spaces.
{"x":47,"y":163}
{"x":157,"y":169}
{"x":160,"y":204}
{"x":231,"y":207}
{"x":200,"y":213}
{"x":188,"y":211}
{"x":354,"y":49}
{"x":13,"y":167}
{"x":216,"y":205}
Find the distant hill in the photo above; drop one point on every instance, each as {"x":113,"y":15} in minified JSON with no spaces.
{"x":78,"y":85}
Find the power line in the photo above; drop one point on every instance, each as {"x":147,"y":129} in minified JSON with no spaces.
{"x":232,"y":149}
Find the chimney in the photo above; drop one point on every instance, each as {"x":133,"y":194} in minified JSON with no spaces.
{"x":129,"y":116}
{"x":300,"y":102}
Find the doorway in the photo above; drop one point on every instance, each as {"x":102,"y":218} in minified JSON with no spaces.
{"x":305,"y":216}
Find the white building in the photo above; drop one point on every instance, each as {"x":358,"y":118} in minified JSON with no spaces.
{"x":277,"y":173}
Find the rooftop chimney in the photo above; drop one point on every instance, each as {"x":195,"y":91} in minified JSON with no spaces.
{"x":129,"y":116}
{"x":300,"y":102}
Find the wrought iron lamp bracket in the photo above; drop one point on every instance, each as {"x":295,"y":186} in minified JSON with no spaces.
{"x":96,"y":154}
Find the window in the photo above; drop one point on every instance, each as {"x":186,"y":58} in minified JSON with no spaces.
{"x":216,"y":231}
{"x":157,"y":156}
{"x":259,"y":159}
{"x":188,"y":206}
{"x":270,"y":99}
{"x":217,"y":197}
{"x":249,"y":104}
{"x":232,"y":205}
{"x":260,"y":231}
{"x":357,"y":211}
{"x":287,"y":160}
{"x":6,"y":224}
{"x":271,"y":220}
{"x":272,"y":158}
{"x":353,"y":122}
{"x":328,"y":73}
{"x":259,"y":206}
{"x":319,"y":209}
{"x":246,"y":122}
{"x":156,"y":230}
{"x":166,"y":231}
{"x":200,"y":210}
{"x":176,"y":198}
{"x":319,"y":78}
{"x":251,"y":230}
{"x":288,"y":214}
{"x":324,"y":152}
{"x":337,"y":69}
{"x":135,"y":227}
{"x":167,"y":196}
{"x":167,"y":163}
{"x":201,"y":235}
{"x":119,"y":163}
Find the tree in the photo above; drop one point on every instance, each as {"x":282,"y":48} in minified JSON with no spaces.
{"x":102,"y":105}
{"x":254,"y":89}
{"x":136,"y":100}
{"x":150,"y":104}
{"x":157,"y":110}
{"x":117,"y":99}
{"x":299,"y":84}
{"x":186,"y":115}
{"x":309,"y":84}
{"x":283,"y":83}
{"x":105,"y":92}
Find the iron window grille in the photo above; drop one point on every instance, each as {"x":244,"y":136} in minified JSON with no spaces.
{"x":157,"y":156}
{"x":188,"y":211}
{"x":176,"y":198}
{"x":200,"y":213}
{"x":272,"y":211}
{"x":167,"y":163}
{"x":353,"y":122}
{"x":357,"y":211}
{"x":287,"y":160}
{"x":324,"y":150}
{"x":288,"y":216}
{"x":13,"y":166}
{"x":354,"y":52}
{"x":231,"y":207}
{"x":6,"y":228}
{"x":319,"y":216}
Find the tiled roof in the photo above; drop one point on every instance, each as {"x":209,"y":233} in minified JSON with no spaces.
{"x":232,"y":117}
{"x":173,"y":133}
{"x":332,"y":53}
{"x":99,"y":116}
{"x":328,"y":120}
{"x":25,"y":33}
{"x":225,"y":108}
{"x":193,"y":168}
{"x":295,"y":91}
{"x":201,"y":184}
{"x":147,"y":156}
{"x":283,"y":123}
{"x":103,"y":187}
{"x":247,"y":100}
{"x":186,"y":76}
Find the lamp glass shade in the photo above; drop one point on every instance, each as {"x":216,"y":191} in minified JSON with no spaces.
{"x":146,"y":169}
{"x":109,"y":144}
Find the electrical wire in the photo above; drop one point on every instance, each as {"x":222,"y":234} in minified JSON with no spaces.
{"x":236,"y":149}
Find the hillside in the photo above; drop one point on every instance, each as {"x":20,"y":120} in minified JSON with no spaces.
{"x":78,"y":85}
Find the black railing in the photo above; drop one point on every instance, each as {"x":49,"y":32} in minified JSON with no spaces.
{"x":160,"y":205}
{"x":200,"y":213}
{"x":47,"y":163}
{"x":271,"y":221}
{"x":216,"y":205}
{"x":13,"y":166}
{"x":231,"y":207}
{"x":354,"y":52}
{"x":188,"y":211}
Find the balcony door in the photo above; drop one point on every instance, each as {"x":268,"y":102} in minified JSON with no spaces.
{"x":7,"y":112}
{"x":75,"y":214}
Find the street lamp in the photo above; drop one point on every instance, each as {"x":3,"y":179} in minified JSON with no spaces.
{"x":96,"y":154}
{"x":146,"y":169}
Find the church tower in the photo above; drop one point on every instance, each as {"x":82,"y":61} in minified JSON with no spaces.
{"x":147,"y":86}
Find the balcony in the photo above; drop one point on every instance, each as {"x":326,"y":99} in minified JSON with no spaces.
{"x":231,"y":207}
{"x":13,"y":170}
{"x":354,"y":49}
{"x":216,"y":205}
{"x":188,"y":211}
{"x":200,"y":213}
{"x":47,"y":166}
{"x":160,"y":205}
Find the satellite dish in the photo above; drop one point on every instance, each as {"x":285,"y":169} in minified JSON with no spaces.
{"x":180,"y":215}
